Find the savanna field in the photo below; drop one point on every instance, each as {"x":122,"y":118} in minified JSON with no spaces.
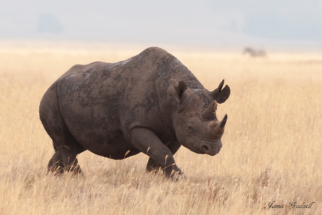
{"x":271,"y":151}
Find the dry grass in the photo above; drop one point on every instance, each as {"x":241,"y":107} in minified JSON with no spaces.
{"x":272,"y":144}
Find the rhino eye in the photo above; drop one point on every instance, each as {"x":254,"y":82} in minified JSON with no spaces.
{"x":189,"y":129}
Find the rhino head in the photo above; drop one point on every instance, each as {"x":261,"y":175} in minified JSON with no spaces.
{"x":195,"y":122}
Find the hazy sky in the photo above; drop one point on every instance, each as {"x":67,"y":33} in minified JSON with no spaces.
{"x":202,"y":22}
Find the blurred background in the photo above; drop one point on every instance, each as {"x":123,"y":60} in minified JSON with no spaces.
{"x":294,"y":25}
{"x":272,"y":143}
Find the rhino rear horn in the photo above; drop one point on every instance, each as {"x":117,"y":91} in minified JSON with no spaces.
{"x":180,"y":88}
{"x":219,"y":94}
{"x":208,"y":114}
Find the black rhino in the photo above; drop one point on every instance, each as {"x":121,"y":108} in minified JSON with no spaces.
{"x":150,"y":103}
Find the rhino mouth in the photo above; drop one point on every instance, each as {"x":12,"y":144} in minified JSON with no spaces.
{"x":204,"y":148}
{"x":210,"y":148}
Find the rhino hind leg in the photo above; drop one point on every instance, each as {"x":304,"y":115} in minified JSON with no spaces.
{"x":69,"y":159}
{"x":56,"y":163}
{"x":153,"y":167}
{"x":65,"y":145}
{"x":66,"y":149}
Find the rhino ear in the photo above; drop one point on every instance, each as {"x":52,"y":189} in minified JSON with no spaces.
{"x":180,"y":88}
{"x":219,"y":94}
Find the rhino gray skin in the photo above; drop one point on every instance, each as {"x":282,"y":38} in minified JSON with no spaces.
{"x":150,"y":103}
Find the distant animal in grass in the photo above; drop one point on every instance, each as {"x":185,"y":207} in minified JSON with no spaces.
{"x":150,"y":103}
{"x":254,"y":52}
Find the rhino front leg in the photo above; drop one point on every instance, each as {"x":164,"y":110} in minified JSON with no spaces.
{"x":147,"y":142}
{"x":152,"y":166}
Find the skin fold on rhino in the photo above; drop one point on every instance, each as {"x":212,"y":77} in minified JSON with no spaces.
{"x":150,"y":103}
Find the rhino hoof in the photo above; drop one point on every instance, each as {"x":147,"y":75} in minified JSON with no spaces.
{"x":178,"y":176}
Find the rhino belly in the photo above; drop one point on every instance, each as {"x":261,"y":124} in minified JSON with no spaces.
{"x":112,"y":144}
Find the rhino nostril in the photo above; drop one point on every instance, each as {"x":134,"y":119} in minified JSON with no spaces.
{"x":205,"y":148}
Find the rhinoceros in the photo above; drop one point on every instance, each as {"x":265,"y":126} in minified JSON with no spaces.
{"x":150,"y":103}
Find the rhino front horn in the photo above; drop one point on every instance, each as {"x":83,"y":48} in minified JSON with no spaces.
{"x":223,"y":122}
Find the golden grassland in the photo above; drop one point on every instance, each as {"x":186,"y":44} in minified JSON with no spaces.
{"x":271,"y":147}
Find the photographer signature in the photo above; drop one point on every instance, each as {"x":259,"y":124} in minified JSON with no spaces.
{"x":304,"y":205}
